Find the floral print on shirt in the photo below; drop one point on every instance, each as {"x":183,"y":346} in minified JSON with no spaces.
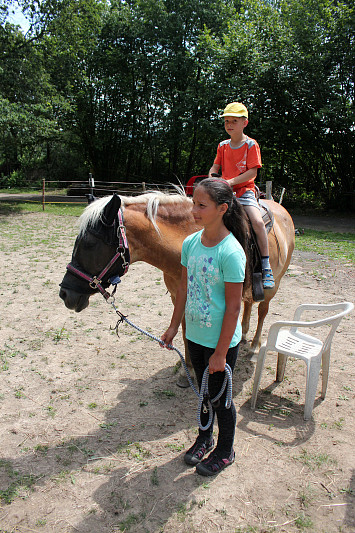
{"x":202,"y":276}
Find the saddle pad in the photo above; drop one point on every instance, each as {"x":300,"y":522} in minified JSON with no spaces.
{"x":267,"y":215}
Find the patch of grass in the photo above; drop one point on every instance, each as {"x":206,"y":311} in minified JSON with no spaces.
{"x":175,"y":447}
{"x":154,"y":477}
{"x":130,"y":521}
{"x":338,"y":424}
{"x":314,"y":460}
{"x":334,"y":245}
{"x":20,"y":484}
{"x":7,"y":208}
{"x":8,"y":353}
{"x":164,"y":394}
{"x":59,"y":335}
{"x":136,"y":451}
{"x":306,"y":496}
{"x":303,"y":522}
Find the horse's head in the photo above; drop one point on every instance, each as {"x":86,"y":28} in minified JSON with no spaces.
{"x":100,"y":254}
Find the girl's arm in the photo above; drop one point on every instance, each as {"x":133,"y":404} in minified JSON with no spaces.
{"x":179,"y":309}
{"x":233,"y":296}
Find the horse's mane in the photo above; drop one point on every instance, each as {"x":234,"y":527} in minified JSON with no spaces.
{"x":152,"y":201}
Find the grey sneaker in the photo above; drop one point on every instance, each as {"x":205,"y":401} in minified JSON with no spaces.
{"x":197,"y":452}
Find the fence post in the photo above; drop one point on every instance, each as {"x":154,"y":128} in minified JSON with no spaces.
{"x":143,"y":186}
{"x":282,"y":195}
{"x":43,"y":192}
{"x":269,"y":190}
{"x":91,"y":183}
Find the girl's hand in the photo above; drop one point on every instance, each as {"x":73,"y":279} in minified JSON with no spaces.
{"x":168,"y":336}
{"x":217,"y":363}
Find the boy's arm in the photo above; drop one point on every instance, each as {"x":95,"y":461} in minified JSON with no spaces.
{"x":213,"y":170}
{"x":242,"y":178}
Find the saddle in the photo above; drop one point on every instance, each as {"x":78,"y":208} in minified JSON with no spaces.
{"x":255,"y":256}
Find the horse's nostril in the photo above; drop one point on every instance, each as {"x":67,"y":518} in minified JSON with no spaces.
{"x":62,"y":294}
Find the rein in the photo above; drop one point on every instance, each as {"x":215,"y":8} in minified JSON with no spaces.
{"x":95,"y":282}
{"x":205,"y":402}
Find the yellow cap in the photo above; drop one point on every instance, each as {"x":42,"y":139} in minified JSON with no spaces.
{"x":235,"y":109}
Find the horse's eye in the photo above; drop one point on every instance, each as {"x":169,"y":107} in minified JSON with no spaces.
{"x":89,"y":242}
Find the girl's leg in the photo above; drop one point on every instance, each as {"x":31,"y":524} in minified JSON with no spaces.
{"x":226,"y":417}
{"x":199,"y":356}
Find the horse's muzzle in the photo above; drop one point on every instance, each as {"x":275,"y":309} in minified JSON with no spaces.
{"x":74,"y":300}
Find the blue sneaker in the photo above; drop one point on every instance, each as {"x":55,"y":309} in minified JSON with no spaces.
{"x":268,"y":279}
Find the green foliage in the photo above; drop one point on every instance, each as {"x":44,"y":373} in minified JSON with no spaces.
{"x":334,"y":245}
{"x":133,"y":90}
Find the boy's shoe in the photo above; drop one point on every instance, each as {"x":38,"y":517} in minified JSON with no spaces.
{"x":197,"y":452}
{"x":214,"y":464}
{"x":268,"y":279}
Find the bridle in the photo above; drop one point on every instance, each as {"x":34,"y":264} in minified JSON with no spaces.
{"x":122,"y":252}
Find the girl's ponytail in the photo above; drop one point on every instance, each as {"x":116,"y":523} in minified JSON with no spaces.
{"x":235,"y":218}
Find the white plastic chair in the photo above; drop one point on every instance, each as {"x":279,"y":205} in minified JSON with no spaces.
{"x":286,"y":338}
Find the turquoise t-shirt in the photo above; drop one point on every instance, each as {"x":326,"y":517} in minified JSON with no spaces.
{"x":207,"y":271}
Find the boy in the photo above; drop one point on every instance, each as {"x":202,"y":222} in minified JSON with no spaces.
{"x":240,"y":159}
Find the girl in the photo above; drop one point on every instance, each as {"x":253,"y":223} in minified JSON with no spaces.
{"x":210,"y":293}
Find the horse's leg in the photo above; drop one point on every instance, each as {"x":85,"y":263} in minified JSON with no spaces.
{"x":248,"y":304}
{"x":263,"y":309}
{"x":182,"y":381}
{"x":171,"y":285}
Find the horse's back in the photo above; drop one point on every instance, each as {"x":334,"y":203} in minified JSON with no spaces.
{"x":281,"y":238}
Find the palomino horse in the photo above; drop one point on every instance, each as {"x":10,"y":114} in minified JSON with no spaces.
{"x":155,"y":225}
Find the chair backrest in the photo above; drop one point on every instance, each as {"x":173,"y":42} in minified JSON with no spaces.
{"x":333,"y":320}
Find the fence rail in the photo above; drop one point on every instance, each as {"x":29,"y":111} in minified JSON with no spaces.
{"x":76,"y":191}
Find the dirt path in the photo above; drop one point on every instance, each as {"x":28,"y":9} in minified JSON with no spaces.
{"x":93,"y":427}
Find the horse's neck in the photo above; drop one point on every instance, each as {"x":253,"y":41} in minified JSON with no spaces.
{"x":162,"y":250}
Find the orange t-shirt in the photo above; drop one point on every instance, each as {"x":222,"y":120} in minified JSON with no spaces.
{"x":236,"y":161}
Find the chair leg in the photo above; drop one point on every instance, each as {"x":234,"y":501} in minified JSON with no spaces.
{"x":281,"y":366}
{"x":257,"y":376}
{"x":313,"y":369}
{"x":325,"y":371}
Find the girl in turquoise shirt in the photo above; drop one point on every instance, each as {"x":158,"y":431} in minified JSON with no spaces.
{"x":210,"y":294}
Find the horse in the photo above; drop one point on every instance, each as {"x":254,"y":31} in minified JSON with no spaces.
{"x":119,"y":230}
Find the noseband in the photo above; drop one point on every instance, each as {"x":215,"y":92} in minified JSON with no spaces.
{"x":122,"y":252}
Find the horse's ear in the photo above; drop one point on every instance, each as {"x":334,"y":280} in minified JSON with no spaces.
{"x":111,"y":209}
{"x":90,"y":198}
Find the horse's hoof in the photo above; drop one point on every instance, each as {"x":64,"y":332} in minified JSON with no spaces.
{"x":253,"y":357}
{"x":183,"y":382}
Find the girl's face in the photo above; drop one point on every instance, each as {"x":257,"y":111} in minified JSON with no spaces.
{"x":205,"y":211}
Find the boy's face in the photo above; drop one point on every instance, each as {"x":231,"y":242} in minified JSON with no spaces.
{"x":234,"y":126}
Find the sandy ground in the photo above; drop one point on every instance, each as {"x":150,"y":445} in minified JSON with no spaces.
{"x":94,"y":428}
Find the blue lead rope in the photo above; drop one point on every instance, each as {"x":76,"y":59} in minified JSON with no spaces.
{"x":204,"y":403}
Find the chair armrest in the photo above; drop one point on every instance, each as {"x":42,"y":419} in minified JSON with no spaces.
{"x":293,"y":325}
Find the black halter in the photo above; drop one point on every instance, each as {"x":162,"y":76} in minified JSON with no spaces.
{"x":122,"y":252}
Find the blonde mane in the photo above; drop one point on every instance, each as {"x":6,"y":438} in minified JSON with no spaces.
{"x":152,"y":200}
